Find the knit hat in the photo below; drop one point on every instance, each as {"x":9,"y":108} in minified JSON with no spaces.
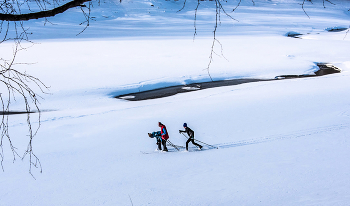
{"x":185,"y":124}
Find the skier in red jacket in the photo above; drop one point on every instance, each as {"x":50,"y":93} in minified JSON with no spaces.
{"x":164,"y":134}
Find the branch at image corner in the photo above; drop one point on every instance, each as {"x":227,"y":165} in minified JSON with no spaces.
{"x":43,"y":14}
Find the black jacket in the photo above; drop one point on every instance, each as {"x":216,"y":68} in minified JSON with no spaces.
{"x":189,"y":131}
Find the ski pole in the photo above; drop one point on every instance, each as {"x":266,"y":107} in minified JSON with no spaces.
{"x":178,"y":146}
{"x":175,"y":146}
{"x":206,"y":144}
{"x":201,"y":142}
{"x":171,"y":144}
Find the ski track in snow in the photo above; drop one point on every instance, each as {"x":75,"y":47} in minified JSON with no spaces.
{"x":298,"y":134}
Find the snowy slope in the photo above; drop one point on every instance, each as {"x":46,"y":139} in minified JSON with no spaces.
{"x":280,"y":142}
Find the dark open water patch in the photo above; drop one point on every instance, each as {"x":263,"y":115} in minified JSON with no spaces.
{"x":324,"y":69}
{"x":169,"y":91}
{"x":336,"y":29}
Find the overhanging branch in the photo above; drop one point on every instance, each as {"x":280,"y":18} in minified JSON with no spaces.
{"x":42,"y":14}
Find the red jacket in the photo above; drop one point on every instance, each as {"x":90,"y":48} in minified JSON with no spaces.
{"x":164,"y":132}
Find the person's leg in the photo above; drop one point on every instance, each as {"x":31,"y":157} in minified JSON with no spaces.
{"x":159,"y":144}
{"x":188,"y":141}
{"x":198,"y":145}
{"x":164,"y":145}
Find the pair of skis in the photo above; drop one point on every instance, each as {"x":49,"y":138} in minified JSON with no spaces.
{"x":196,"y":140}
{"x":177,"y":147}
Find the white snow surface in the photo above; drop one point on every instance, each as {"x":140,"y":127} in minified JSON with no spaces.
{"x":283,"y":142}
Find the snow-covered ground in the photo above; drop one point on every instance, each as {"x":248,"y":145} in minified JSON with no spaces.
{"x":280,"y":142}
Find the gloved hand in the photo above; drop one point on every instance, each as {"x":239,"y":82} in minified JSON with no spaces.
{"x":180,"y":131}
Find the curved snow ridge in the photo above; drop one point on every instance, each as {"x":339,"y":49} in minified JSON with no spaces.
{"x":298,"y":134}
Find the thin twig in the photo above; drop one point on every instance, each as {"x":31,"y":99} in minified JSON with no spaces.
{"x":346,"y":33}
{"x":132,"y":204}
{"x":19,"y":83}
{"x":302,"y":6}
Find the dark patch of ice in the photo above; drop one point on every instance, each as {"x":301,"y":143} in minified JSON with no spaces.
{"x":336,"y":29}
{"x":293,"y":34}
{"x":172,"y":90}
{"x":326,"y":68}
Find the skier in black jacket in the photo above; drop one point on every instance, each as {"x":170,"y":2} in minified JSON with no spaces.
{"x":190,"y":133}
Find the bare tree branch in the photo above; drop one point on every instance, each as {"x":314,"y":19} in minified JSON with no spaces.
{"x":346,"y":33}
{"x":183,"y":6}
{"x":239,"y":3}
{"x":302,"y":6}
{"x":218,"y":8}
{"x":19,"y":84}
{"x":43,"y":14}
{"x":87,"y":18}
{"x":195,"y":19}
{"x":328,"y":2}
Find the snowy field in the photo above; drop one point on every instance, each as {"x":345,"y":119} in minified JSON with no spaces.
{"x":280,"y":142}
